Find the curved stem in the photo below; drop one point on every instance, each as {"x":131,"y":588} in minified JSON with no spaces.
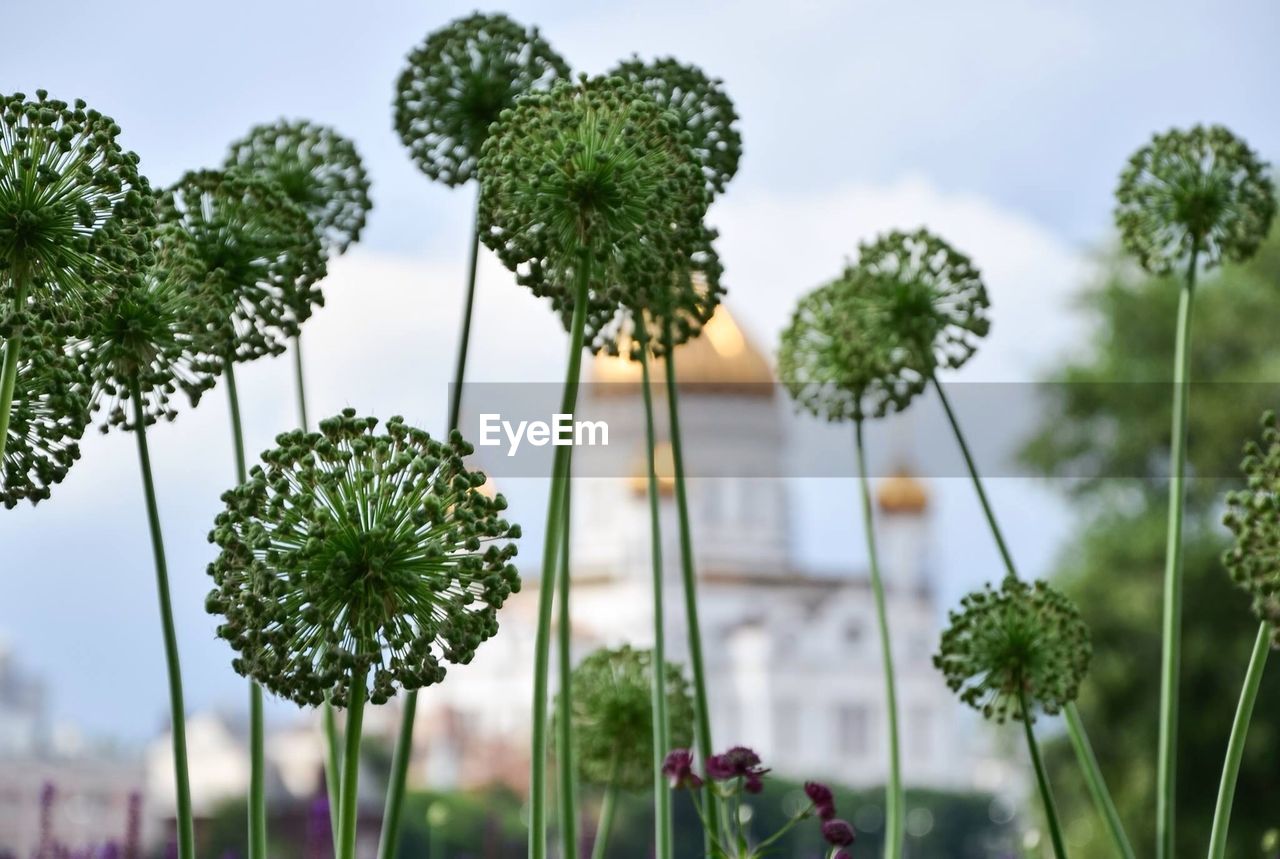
{"x":661,"y":729}
{"x":177,"y":709}
{"x":12,"y":347}
{"x":257,"y":753}
{"x":895,"y":799}
{"x":566,"y":771}
{"x":1042,"y":779}
{"x":390,"y":839}
{"x":688,"y":577}
{"x":1005,"y":555}
{"x":1235,"y":746}
{"x":1102,"y":801}
{"x":550,"y":554}
{"x":1171,"y":627}
{"x":351,"y":768}
{"x":607,"y":809}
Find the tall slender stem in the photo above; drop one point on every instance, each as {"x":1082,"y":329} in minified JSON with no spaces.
{"x":12,"y":347}
{"x":550,"y":554}
{"x":661,"y":728}
{"x":350,"y":792}
{"x":566,"y":771}
{"x":1235,"y":745}
{"x":608,"y":807}
{"x":257,"y":740}
{"x":1102,"y":801}
{"x":689,"y":578}
{"x":895,"y":799}
{"x":390,"y":839}
{"x":329,"y":724}
{"x":177,"y":710}
{"x":1042,"y":779}
{"x":1171,"y":628}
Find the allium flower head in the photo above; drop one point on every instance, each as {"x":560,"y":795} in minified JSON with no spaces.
{"x":1253,"y":515}
{"x":255,"y":249}
{"x":74,"y":210}
{"x":154,"y":332}
{"x":840,"y":358}
{"x":613,"y":716}
{"x":1201,"y":188}
{"x":318,"y":168}
{"x":456,"y":84}
{"x":592,"y":172}
{"x":49,"y":415}
{"x":704,"y":109}
{"x":351,"y":552}
{"x":1021,"y":640}
{"x":931,"y":295}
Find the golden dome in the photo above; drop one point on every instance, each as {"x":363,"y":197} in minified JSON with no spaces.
{"x":721,"y":356}
{"x":902,"y":493}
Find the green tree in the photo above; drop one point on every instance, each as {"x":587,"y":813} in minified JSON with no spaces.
{"x":1107,"y":426}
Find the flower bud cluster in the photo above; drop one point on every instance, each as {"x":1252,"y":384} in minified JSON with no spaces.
{"x":1253,"y":515}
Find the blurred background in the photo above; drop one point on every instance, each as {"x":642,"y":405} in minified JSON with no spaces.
{"x":1000,"y":125}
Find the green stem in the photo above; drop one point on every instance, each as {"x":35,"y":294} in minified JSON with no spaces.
{"x":895,"y":798}
{"x":977,"y":479}
{"x":565,"y":769}
{"x":177,"y":710}
{"x":351,"y":767}
{"x":329,"y":724}
{"x":1042,"y":779}
{"x":1088,"y":762}
{"x":661,"y":729}
{"x":299,"y":384}
{"x":688,"y":576}
{"x":9,"y":374}
{"x":392,"y":812}
{"x":607,"y":809}
{"x":1171,"y":628}
{"x":550,"y":554}
{"x":257,"y":753}
{"x":1105,"y":806}
{"x":1235,"y":746}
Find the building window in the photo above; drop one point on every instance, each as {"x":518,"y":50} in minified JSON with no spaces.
{"x":853,"y":729}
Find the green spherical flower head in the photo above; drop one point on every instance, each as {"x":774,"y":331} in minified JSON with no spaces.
{"x":1023,"y":642}
{"x":50,"y":413}
{"x":74,"y":211}
{"x":840,"y":359}
{"x":255,"y":250}
{"x":459,"y":81}
{"x":1202,"y":190}
{"x":1253,"y":515}
{"x":613,"y":716}
{"x":688,"y":302}
{"x":318,"y":168}
{"x":932,"y":298}
{"x":591,"y":173}
{"x":351,"y":552}
{"x":703,"y":107}
{"x":155,"y":333}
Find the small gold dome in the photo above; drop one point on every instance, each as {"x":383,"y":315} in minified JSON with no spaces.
{"x":902,"y":493}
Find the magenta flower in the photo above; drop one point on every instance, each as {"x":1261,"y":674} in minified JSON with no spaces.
{"x":678,"y":768}
{"x":838,"y":832}
{"x":738,"y":762}
{"x":823,"y":799}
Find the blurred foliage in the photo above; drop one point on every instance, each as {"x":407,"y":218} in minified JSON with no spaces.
{"x":1113,"y":419}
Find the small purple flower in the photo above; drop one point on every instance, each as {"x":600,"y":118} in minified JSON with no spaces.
{"x":678,"y":768}
{"x":824,"y":801}
{"x":838,"y":832}
{"x":738,"y":762}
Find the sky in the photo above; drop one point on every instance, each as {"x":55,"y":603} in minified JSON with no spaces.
{"x":1000,"y":125}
